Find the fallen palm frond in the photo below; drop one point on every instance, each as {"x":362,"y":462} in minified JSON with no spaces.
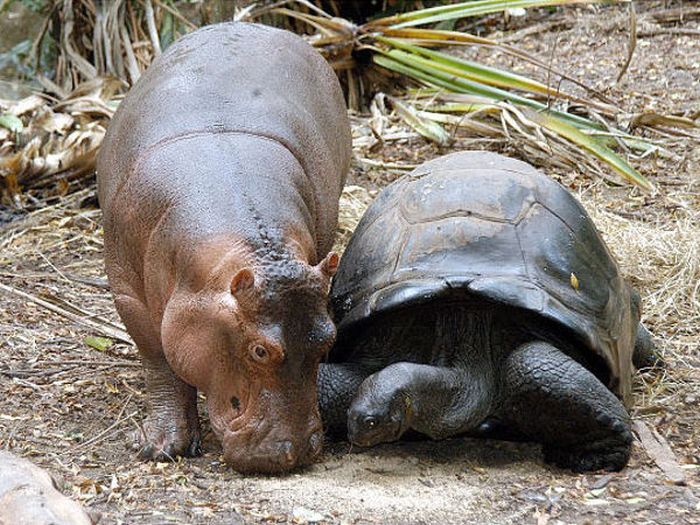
{"x":543,"y":140}
{"x":52,"y":138}
{"x":86,"y":52}
{"x":82,"y":40}
{"x":93,"y":40}
{"x":396,"y":44}
{"x":467,"y":9}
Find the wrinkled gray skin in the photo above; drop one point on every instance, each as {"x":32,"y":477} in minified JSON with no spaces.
{"x":431,"y":341}
{"x":28,"y":496}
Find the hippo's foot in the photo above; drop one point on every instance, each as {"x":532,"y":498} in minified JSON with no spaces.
{"x":171,"y":428}
{"x":164,"y":439}
{"x":554,"y":400}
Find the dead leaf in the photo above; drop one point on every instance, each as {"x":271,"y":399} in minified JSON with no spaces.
{"x":660,"y":451}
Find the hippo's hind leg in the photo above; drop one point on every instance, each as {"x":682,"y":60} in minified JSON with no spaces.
{"x":554,"y":400}
{"x":172,"y":425}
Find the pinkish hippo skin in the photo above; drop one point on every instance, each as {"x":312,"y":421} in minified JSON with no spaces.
{"x":219,"y":180}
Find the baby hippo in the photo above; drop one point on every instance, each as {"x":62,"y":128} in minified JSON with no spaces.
{"x":219,"y":180}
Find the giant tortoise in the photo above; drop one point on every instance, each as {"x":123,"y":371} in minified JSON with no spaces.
{"x":477,"y":296}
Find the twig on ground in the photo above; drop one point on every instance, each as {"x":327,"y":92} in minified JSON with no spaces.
{"x":100,"y":327}
{"x":632,"y":45}
{"x":387,"y":165}
{"x":106,"y":431}
{"x":660,"y":452}
{"x":90,"y":281}
{"x":676,"y":14}
{"x":654,"y":32}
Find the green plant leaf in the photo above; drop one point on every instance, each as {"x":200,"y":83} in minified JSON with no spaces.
{"x":98,"y":343}
{"x":590,"y":144}
{"x":475,"y":71}
{"x":11,"y":122}
{"x":451,"y":78}
{"x":429,"y":129}
{"x":434,"y":37}
{"x":473,"y":8}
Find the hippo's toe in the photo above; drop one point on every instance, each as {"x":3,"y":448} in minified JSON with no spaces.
{"x":160,"y":442}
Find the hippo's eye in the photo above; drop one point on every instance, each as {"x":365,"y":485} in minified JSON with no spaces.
{"x":259,"y":353}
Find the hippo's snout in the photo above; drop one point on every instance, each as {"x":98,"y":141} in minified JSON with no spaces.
{"x":272,"y":455}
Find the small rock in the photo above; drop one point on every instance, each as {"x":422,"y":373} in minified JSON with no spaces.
{"x":533,"y":496}
{"x":303,"y":515}
{"x":601,"y":482}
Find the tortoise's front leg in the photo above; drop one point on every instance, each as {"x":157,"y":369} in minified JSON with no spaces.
{"x":337,"y":386}
{"x":436,"y":401}
{"x":554,"y":400}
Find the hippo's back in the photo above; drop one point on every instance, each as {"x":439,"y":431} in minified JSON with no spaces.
{"x":236,"y":78}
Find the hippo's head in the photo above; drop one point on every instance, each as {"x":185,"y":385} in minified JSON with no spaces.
{"x":252,"y":343}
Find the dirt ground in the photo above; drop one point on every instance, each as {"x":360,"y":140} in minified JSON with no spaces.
{"x":69,"y":401}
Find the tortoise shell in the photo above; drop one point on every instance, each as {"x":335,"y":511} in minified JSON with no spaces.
{"x":493,"y":227}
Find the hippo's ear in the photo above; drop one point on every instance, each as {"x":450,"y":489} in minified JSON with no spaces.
{"x":329,"y":265}
{"x":242,"y":283}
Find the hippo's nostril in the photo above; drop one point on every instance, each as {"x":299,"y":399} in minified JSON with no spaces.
{"x":235,"y":403}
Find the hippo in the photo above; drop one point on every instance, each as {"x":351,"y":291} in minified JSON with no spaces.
{"x":219,"y":180}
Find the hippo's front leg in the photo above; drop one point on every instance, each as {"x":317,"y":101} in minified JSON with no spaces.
{"x":172,"y":426}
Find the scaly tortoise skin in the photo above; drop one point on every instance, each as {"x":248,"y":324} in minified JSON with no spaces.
{"x":476,"y":296}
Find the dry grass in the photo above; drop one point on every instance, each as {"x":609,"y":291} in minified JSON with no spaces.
{"x":661,"y":258}
{"x":353,"y":203}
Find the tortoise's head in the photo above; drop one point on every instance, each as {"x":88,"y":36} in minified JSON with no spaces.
{"x":254,"y":350}
{"x":381,"y":411}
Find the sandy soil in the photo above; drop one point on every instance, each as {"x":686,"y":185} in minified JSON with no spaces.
{"x":69,"y":402}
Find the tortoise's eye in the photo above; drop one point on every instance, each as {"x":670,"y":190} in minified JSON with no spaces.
{"x":369,"y":422}
{"x":259,"y":353}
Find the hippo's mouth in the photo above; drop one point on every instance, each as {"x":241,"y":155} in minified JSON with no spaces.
{"x":261,"y":447}
{"x":257,"y":438}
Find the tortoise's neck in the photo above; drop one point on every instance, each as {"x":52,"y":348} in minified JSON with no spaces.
{"x":471,"y":339}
